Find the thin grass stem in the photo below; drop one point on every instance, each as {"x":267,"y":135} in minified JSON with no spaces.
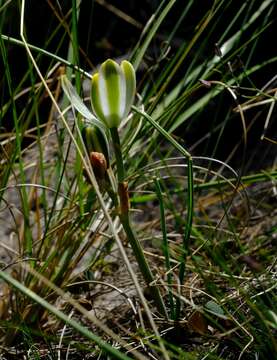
{"x":165,"y":247}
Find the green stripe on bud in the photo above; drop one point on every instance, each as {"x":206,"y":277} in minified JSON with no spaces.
{"x":95,"y":140}
{"x":112,"y":92}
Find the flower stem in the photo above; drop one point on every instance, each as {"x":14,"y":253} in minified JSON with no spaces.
{"x":118,"y":155}
{"x":129,"y":231}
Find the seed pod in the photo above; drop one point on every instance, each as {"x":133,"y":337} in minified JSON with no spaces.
{"x":112,"y":92}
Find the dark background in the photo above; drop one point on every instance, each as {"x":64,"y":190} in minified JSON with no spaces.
{"x":102,"y":34}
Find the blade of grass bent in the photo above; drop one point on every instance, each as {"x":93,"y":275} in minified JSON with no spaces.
{"x":190,"y":192}
{"x":15,"y":41}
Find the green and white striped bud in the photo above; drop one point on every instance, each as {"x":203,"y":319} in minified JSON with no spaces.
{"x":95,"y":141}
{"x":112,"y":92}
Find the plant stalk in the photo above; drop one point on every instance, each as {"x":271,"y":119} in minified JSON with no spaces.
{"x":129,"y":231}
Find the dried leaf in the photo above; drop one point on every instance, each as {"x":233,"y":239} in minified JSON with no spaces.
{"x":198,"y":323}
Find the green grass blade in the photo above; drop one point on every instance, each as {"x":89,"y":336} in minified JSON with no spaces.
{"x":189,"y":195}
{"x":138,"y":56}
{"x":12,"y":40}
{"x":188,"y":227}
{"x":165,"y":247}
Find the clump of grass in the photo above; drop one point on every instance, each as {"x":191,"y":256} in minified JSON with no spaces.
{"x":204,"y":246}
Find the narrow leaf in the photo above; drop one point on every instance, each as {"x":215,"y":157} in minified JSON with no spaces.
{"x":78,"y":104}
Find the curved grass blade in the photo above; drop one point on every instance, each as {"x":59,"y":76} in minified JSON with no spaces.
{"x":189,"y":195}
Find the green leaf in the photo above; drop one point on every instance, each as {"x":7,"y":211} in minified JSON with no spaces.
{"x":78,"y":104}
{"x":213,"y":308}
{"x":273,"y":319}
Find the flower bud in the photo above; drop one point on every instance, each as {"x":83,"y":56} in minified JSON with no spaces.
{"x":99,"y":164}
{"x":112,"y":92}
{"x":95,"y":141}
